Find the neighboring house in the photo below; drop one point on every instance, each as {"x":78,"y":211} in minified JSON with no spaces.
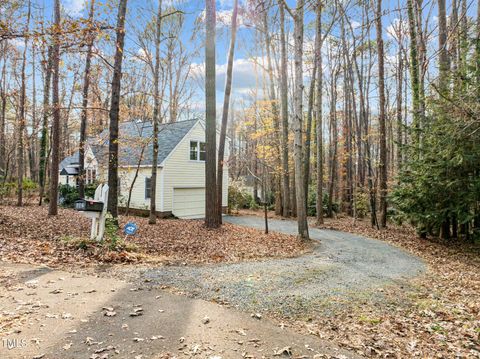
{"x":181,"y":167}
{"x":69,"y":167}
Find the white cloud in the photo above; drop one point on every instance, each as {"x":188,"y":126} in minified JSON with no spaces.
{"x":356,"y":24}
{"x":246,"y":75}
{"x":397,"y":27}
{"x":74,"y":7}
{"x":17,"y":43}
{"x":224,"y":18}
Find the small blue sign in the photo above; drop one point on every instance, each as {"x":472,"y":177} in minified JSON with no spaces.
{"x":130,"y":228}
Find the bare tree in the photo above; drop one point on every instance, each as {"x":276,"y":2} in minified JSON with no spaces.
{"x":55,"y":148}
{"x":298,"y":119}
{"x":284,"y":101}
{"x":85,"y":90}
{"x":318,"y":112}
{"x":226,"y":104}
{"x":22,"y":117}
{"x":156,"y":117}
{"x":46,"y":112}
{"x":3,"y":101}
{"x":114,"y":112}
{"x":211,"y":202}
{"x":381,"y":117}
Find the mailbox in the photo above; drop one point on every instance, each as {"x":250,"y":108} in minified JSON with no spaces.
{"x":86,"y":205}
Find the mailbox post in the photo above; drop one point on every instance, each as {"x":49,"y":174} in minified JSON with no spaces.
{"x":95,"y":209}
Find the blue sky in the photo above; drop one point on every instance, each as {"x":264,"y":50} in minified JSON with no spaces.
{"x":244,"y":71}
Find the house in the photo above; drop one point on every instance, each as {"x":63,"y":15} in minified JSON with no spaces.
{"x":69,"y":167}
{"x":181,"y":167}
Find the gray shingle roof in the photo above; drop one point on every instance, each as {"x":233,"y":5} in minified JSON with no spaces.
{"x":69,"y":171}
{"x":133,"y":136}
{"x":70,"y":161}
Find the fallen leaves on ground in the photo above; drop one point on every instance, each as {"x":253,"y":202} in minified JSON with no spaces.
{"x":437,"y":316}
{"x":29,"y":235}
{"x":188,"y":241}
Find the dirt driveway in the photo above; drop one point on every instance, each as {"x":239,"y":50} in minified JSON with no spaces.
{"x":47,"y":313}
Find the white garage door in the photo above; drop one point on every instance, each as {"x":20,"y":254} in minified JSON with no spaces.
{"x":189,"y":203}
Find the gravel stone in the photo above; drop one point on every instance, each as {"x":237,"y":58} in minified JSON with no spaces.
{"x":341,"y":265}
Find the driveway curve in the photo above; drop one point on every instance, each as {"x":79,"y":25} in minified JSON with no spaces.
{"x":341,"y":265}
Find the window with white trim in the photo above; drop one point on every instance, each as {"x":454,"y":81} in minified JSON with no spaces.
{"x":197,"y":151}
{"x":148,"y":187}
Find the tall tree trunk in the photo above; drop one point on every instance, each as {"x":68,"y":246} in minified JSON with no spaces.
{"x":114,"y":112}
{"x":308,"y":132}
{"x":275,"y":112}
{"x":333,"y":145}
{"x":422,"y":61}
{"x":444,"y":65}
{"x":211,"y":207}
{"x":22,"y":118}
{"x":3,"y":100}
{"x":284,"y":101}
{"x":381,"y":117}
{"x":156,"y":118}
{"x":226,"y":104}
{"x":297,"y":123}
{"x":414,"y":76}
{"x":318,"y":112}
{"x":399,"y":104}
{"x":477,"y":50}
{"x":46,"y":113}
{"x":55,"y":148}
{"x":83,"y":117}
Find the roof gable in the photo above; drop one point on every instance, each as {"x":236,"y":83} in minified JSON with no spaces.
{"x":136,"y":142}
{"x":136,"y":136}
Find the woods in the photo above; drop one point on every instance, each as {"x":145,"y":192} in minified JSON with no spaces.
{"x":357,"y":108}
{"x":252,"y":150}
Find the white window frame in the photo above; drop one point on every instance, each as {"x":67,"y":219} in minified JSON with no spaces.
{"x":198,"y":142}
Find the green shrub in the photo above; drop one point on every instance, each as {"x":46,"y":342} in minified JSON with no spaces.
{"x":68,"y":194}
{"x":8,"y":189}
{"x":361,"y":203}
{"x":312,"y":202}
{"x":111,"y":238}
{"x":239,"y":199}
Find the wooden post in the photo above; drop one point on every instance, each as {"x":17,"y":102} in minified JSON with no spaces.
{"x":266,"y":216}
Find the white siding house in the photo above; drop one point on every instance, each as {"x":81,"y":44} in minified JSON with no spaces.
{"x":69,"y":168}
{"x":180,"y":173}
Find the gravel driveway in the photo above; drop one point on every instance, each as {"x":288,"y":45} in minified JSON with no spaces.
{"x":341,"y":266}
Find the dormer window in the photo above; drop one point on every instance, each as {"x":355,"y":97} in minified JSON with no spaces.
{"x":197,"y":151}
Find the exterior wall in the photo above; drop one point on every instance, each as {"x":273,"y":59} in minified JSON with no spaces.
{"x":72,"y":180}
{"x":177,"y":171}
{"x":180,"y":171}
{"x":138,"y":200}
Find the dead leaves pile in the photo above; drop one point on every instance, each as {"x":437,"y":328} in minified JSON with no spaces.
{"x":29,"y":235}
{"x":437,"y":316}
{"x":188,"y":241}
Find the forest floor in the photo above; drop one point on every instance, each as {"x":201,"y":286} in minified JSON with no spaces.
{"x":29,"y":235}
{"x":437,"y":315}
{"x":385,"y":313}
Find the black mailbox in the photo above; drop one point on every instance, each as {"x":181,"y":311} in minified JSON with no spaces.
{"x":88,"y":205}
